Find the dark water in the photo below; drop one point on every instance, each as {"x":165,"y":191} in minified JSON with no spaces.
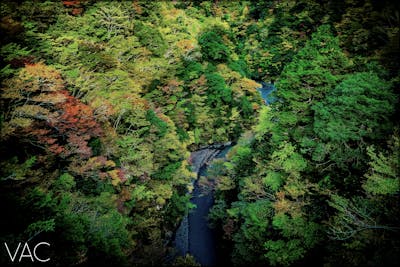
{"x":266,"y":90}
{"x":202,"y":239}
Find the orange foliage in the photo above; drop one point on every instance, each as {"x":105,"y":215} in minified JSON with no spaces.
{"x":43,"y":112}
{"x":136,"y":6}
{"x":71,"y":3}
{"x":76,"y":11}
{"x":139,"y":101}
{"x":199,"y":85}
{"x":255,"y":106}
{"x":75,"y":6}
{"x":68,"y":130}
{"x":77,"y":117}
{"x":163,"y":117}
{"x":172,"y":86}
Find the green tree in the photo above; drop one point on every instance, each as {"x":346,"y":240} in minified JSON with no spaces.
{"x":213,"y":48}
{"x":312,"y":74}
{"x":383,"y":175}
{"x":358,"y":111}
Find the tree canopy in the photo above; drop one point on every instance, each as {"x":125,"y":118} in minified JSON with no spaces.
{"x":102,"y":102}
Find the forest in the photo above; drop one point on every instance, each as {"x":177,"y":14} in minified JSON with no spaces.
{"x":102,"y":104}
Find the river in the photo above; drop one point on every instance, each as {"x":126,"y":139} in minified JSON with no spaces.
{"x":194,"y":236}
{"x":266,"y":92}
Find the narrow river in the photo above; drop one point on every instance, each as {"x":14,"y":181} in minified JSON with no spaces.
{"x":201,"y":238}
{"x":265,"y":91}
{"x":194,"y":236}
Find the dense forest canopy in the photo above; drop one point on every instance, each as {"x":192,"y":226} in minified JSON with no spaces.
{"x":103,"y":101}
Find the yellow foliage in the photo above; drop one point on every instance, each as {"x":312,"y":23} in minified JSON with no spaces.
{"x":186,"y":45}
{"x":225,"y":183}
{"x":115,"y":180}
{"x":19,"y":122}
{"x":283,"y":205}
{"x":97,"y":162}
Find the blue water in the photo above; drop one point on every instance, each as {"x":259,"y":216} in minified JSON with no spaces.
{"x":202,"y":242}
{"x":266,"y":91}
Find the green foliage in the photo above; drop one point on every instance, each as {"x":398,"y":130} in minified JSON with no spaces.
{"x":39,"y":227}
{"x":218,"y":92}
{"x":249,"y":239}
{"x":310,"y":76}
{"x":284,"y":253}
{"x":273,"y":180}
{"x":96,"y":146}
{"x":113,"y":19}
{"x":382,"y":178}
{"x":357,"y":110}
{"x":239,"y":66}
{"x":265,"y":124}
{"x":311,"y":141}
{"x":14,"y":51}
{"x":16,"y":171}
{"x":65,"y":182}
{"x":187,"y":260}
{"x":151,"y":38}
{"x":167,"y":173}
{"x":109,"y":236}
{"x":217,"y":213}
{"x":190,"y":70}
{"x":161,"y":125}
{"x":179,"y":205}
{"x":213,"y":48}
{"x":287,"y":159}
{"x":246,"y":108}
{"x":102,"y":101}
{"x":359,"y":107}
{"x":242,"y":159}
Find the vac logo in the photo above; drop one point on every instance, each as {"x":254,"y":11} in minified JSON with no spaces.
{"x":26,"y":252}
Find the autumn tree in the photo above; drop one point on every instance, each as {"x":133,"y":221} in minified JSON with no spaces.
{"x":42,"y":113}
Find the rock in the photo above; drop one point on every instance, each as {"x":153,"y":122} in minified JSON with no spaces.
{"x":205,"y":155}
